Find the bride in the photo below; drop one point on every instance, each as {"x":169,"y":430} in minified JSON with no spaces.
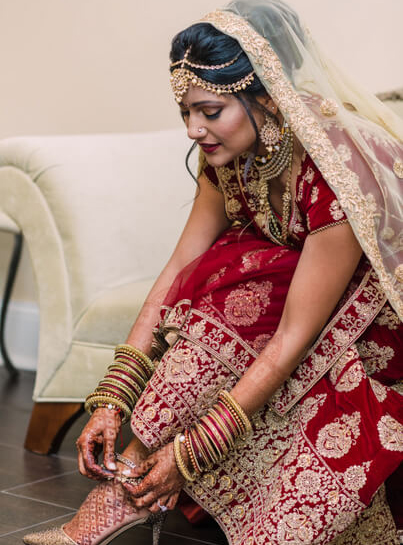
{"x":263,"y":374}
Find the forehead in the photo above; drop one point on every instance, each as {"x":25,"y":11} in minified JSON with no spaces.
{"x":197,"y":94}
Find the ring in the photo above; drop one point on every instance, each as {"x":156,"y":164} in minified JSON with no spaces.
{"x":162,"y":507}
{"x":124,"y":460}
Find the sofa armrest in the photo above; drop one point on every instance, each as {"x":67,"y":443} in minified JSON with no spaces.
{"x":96,"y":212}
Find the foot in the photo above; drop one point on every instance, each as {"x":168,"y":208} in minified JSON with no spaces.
{"x":106,"y":511}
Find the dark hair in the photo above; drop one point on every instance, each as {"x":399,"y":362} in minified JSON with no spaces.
{"x":209,"y":46}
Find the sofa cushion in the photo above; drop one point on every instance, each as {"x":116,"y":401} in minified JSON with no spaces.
{"x":108,"y":319}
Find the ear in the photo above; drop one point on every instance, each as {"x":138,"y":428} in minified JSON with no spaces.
{"x":268,"y":103}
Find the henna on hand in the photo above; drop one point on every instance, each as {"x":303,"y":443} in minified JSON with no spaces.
{"x":162,"y":481}
{"x":99,"y":434}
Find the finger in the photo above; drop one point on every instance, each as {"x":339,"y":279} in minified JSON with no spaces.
{"x":145,"y":501}
{"x":172,"y":501}
{"x":144,"y":467}
{"x":138,"y":490}
{"x":109,"y":444}
{"x":109,"y":456}
{"x":81,"y":466}
{"x":91,"y":467}
{"x":161,"y":502}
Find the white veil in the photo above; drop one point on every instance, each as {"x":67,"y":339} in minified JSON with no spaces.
{"x":355,"y":140}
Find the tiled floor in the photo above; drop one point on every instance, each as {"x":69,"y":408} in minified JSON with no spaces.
{"x":41,"y":491}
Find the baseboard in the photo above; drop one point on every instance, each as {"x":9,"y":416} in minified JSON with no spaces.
{"x":22,"y":334}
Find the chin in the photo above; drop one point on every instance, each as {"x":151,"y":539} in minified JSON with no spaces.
{"x":218,"y":160}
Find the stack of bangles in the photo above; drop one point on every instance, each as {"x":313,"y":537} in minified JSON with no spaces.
{"x":123,"y":383}
{"x":209,"y":440}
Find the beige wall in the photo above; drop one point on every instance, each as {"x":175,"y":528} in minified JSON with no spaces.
{"x":81,"y":66}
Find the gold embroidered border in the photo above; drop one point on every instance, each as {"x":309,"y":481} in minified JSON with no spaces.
{"x":324,"y":227}
{"x":228,"y":331}
{"x":360,"y":209}
{"x":297,"y":386}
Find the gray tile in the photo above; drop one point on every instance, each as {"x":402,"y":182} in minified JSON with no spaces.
{"x":17,"y":466}
{"x":207,"y":531}
{"x":15,"y":406}
{"x":17,"y":513}
{"x":140,"y":535}
{"x":68,"y":490}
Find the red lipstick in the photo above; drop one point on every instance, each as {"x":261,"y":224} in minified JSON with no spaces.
{"x":209,"y":148}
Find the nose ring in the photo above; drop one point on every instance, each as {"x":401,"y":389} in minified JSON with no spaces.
{"x":199,"y":129}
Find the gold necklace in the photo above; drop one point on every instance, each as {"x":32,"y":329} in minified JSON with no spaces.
{"x":278,"y":230}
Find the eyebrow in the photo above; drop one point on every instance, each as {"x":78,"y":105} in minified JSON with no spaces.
{"x":202,"y":103}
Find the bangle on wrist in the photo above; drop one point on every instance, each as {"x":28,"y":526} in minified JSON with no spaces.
{"x":209,"y":440}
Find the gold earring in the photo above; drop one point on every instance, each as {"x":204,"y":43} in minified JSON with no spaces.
{"x":270,"y":133}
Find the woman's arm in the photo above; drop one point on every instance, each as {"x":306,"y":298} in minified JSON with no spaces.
{"x":327,"y":263}
{"x":206,"y":221}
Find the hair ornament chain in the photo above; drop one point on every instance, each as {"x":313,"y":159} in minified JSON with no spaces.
{"x":204,"y":66}
{"x":182,"y":77}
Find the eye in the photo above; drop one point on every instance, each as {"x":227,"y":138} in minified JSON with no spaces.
{"x":214,"y":115}
{"x":184,"y":114}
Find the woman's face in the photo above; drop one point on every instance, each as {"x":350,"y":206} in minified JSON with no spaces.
{"x":219,"y":124}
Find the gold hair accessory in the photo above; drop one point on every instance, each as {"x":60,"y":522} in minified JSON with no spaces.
{"x":182,"y":77}
{"x":204,"y":66}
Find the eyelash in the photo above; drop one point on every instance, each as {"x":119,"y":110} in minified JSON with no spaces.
{"x":208,"y":116}
{"x":214,"y":116}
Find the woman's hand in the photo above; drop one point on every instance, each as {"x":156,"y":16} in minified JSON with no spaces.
{"x":162,"y":482}
{"x":99,"y":434}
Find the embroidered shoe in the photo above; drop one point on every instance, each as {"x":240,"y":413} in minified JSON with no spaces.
{"x":106,"y":513}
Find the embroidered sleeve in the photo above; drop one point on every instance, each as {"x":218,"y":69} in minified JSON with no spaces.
{"x":318,"y":202}
{"x":208,"y":171}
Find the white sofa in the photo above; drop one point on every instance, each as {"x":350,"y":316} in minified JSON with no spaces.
{"x":100,"y":215}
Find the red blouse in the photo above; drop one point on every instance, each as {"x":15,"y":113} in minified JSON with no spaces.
{"x":315,"y":206}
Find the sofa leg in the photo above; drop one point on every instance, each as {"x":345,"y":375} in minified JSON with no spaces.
{"x":49,"y":424}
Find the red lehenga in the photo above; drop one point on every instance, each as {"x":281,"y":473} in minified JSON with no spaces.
{"x":333,"y":432}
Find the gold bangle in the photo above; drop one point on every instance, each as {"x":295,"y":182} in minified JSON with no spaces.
{"x":115,"y":382}
{"x":245,"y":420}
{"x":179,"y":461}
{"x":216,"y":434}
{"x":220,"y":424}
{"x":128,"y":348}
{"x":214,"y":455}
{"x":227,"y":428}
{"x":106,"y":397}
{"x":191,"y":453}
{"x":93,"y":399}
{"x":120,"y":365}
{"x":202,"y":449}
{"x":129,"y":379}
{"x":134,"y":366}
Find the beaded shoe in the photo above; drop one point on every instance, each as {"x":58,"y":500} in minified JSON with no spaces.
{"x":106,"y":513}
{"x":57,"y":536}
